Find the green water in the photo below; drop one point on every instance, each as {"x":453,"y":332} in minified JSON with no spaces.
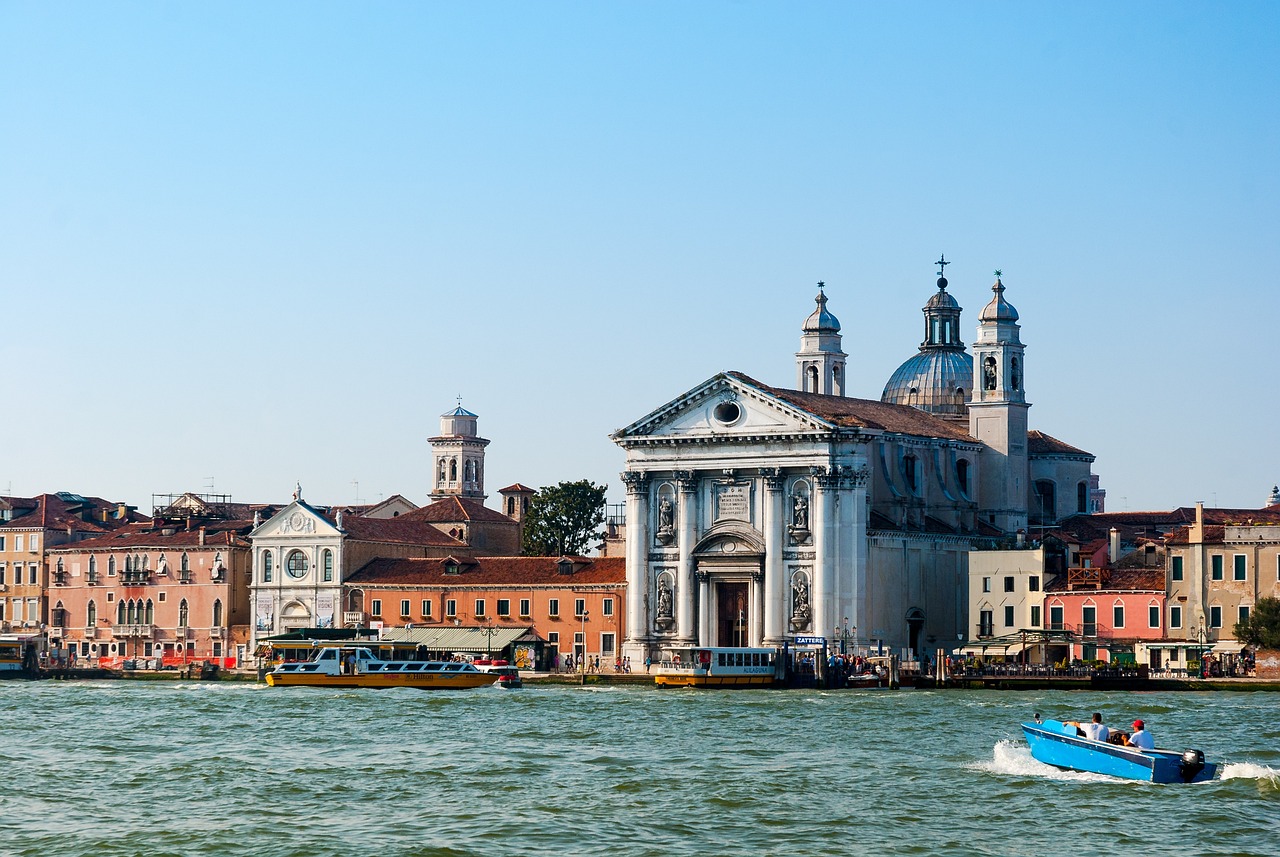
{"x":189,"y":768}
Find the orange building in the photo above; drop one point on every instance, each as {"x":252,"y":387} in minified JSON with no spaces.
{"x":535,"y":610}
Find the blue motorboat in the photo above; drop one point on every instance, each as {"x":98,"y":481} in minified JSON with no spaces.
{"x":1055,"y":743}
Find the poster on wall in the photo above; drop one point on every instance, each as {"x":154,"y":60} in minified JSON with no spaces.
{"x":523,"y":656}
{"x":324,"y":610}
{"x":265,"y":613}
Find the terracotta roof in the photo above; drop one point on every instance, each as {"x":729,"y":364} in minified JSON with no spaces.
{"x":864,"y":413}
{"x":491,"y":571}
{"x":402,"y":530}
{"x":1117,"y":580}
{"x":1039,"y":443}
{"x":59,"y":511}
{"x":146,"y":535}
{"x":453,"y":509}
{"x":516,"y":487}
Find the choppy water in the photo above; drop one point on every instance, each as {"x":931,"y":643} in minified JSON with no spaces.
{"x":131,"y":768}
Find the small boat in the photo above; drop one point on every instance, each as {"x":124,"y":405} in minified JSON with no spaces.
{"x":1055,"y":743}
{"x":702,"y":666}
{"x":357,"y":666}
{"x":508,"y":675}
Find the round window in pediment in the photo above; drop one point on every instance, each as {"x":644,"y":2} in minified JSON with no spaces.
{"x":296,"y":564}
{"x":728,"y":412}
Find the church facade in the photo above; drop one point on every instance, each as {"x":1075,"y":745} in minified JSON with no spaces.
{"x":759,"y":516}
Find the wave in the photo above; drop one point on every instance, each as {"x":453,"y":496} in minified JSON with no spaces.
{"x":1012,"y":758}
{"x":1250,"y":771}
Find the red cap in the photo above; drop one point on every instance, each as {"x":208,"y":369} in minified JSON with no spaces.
{"x":1138,"y":724}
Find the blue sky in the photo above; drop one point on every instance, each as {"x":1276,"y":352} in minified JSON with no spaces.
{"x":262,"y":243}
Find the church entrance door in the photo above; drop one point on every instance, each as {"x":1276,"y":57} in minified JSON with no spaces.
{"x":732,"y":615}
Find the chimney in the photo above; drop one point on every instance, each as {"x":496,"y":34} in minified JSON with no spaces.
{"x":121,"y":511}
{"x":1195,"y":533}
{"x":1113,"y":552}
{"x":202,"y":537}
{"x":1021,"y":539}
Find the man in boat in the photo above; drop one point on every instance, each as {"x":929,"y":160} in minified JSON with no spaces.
{"x":1140,"y":737}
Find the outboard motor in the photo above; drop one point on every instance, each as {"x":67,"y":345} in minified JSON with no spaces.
{"x":1192,"y":764}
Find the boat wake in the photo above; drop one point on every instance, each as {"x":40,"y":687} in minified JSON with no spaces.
{"x":1250,"y":771}
{"x":1014,"y":759}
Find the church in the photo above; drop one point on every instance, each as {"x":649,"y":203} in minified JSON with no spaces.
{"x":763,"y":516}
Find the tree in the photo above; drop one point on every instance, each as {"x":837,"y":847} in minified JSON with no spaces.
{"x":564,"y":519}
{"x":1262,"y":628}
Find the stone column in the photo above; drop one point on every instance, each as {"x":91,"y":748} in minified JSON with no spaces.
{"x":756,"y":622}
{"x":824,"y":544}
{"x":687,"y":526}
{"x":774,"y":588}
{"x":637,"y":554}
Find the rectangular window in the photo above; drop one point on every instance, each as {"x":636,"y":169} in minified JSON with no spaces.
{"x":1008,"y":584}
{"x":606,"y":644}
{"x":2,"y":571}
{"x":1055,"y":618}
{"x":606,"y":607}
{"x":1033,"y":583}
{"x":1008,"y":616}
{"x":1089,"y":621}
{"x":2,"y":538}
{"x":986,"y":584}
{"x":577,"y":641}
{"x":1153,"y":616}
{"x":450,"y":608}
{"x":1244,"y":613}
{"x":1215,"y":617}
{"x":985,"y":624}
{"x":33,"y":543}
{"x":479,"y":607}
{"x":17,"y":543}
{"x":33,"y":574}
{"x":1035,"y":615}
{"x":553,"y":607}
{"x":1175,"y":617}
{"x":162,"y":597}
{"x":1217,"y":567}
{"x":377,"y":607}
{"x":1117,"y":616}
{"x":579,"y":606}
{"x":1239,"y":568}
{"x":426,"y":608}
{"x":404,"y":608}
{"x":524,"y":606}
{"x":1175,"y":570}
{"x":553,"y":639}
{"x":504,"y":606}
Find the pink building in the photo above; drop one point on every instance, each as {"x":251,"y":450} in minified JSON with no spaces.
{"x":1107,"y":610}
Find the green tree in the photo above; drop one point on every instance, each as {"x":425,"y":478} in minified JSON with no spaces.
{"x":564,"y":519}
{"x":1262,"y":628}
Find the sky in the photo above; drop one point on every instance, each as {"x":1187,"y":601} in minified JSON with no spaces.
{"x":244,"y":245}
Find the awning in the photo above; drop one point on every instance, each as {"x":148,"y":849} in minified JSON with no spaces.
{"x":1002,"y":647}
{"x":472,"y":639}
{"x":1227,"y":647}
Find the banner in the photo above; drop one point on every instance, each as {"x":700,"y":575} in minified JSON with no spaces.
{"x":265,"y":612}
{"x":324,"y":610}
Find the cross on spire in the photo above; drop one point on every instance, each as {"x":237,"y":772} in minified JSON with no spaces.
{"x":821,"y":285}
{"x":942,"y":264}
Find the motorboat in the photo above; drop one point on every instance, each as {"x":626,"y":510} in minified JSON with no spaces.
{"x":710,"y":666}
{"x":508,"y":675}
{"x":357,"y":666}
{"x":1059,"y":744}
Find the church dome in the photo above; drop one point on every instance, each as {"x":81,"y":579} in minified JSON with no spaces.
{"x":821,"y":320}
{"x":943,"y":299}
{"x":999,"y":309}
{"x":937,"y":381}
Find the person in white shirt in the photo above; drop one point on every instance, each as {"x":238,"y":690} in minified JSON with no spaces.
{"x":1095,"y":731}
{"x":1140,"y":737}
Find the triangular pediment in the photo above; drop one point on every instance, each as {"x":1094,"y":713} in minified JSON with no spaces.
{"x":296,"y":519}
{"x":721,"y":407}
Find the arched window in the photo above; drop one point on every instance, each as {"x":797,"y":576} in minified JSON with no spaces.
{"x":811,"y":379}
{"x":1015,"y":376}
{"x":1082,"y":498}
{"x":150,"y":617}
{"x":183,"y":613}
{"x":328,"y":565}
{"x":134,"y":610}
{"x":836,"y":387}
{"x":962,"y":475}
{"x":185,"y":562}
{"x":910,"y":474}
{"x":355,"y":601}
{"x":989,"y":373}
{"x":60,"y":568}
{"x":91,"y":615}
{"x":121,"y":615}
{"x":442,"y":473}
{"x":217,"y":613}
{"x":268,"y":564}
{"x":453,"y":470}
{"x":128,"y":565}
{"x":511,"y":507}
{"x":111,"y":565}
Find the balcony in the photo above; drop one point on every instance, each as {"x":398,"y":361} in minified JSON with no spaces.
{"x":215,"y":633}
{"x":145,"y":632}
{"x":91,"y":579}
{"x":135,"y":578}
{"x":186,"y":577}
{"x":91,"y":633}
{"x":353,"y":617}
{"x":59,"y":578}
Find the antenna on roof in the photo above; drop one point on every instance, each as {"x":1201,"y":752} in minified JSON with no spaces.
{"x":208,"y":483}
{"x":356,"y":482}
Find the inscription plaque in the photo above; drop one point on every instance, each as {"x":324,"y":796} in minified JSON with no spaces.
{"x":733,"y":502}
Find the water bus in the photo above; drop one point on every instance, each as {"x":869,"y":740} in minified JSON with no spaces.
{"x":353,"y":665}
{"x":1055,"y":743}
{"x":712,"y":666}
{"x":17,"y":655}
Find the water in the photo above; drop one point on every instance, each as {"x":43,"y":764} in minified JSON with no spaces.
{"x":191,"y":768}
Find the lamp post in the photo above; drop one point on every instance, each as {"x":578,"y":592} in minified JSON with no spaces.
{"x":489,"y":630}
{"x":1200,"y":640}
{"x":582,"y":659}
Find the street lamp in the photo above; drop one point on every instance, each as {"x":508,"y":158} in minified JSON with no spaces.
{"x":1200,"y":639}
{"x":582,"y":658}
{"x":489,"y":630}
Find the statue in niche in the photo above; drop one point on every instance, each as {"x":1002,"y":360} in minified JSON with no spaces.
{"x":800,"y":512}
{"x":664,"y":599}
{"x":800,"y":609}
{"x":666,"y":520}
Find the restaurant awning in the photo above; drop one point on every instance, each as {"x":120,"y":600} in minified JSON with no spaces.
{"x":473,"y":639}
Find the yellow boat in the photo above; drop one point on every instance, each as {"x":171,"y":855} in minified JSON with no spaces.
{"x":357,"y":666}
{"x":704,"y":666}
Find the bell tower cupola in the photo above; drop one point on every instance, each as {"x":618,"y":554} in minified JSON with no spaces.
{"x":457,"y":457}
{"x":820,"y":362}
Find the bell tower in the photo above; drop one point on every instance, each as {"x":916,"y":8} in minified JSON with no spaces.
{"x":820,"y":362}
{"x":457,"y":457}
{"x":998,"y":414}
